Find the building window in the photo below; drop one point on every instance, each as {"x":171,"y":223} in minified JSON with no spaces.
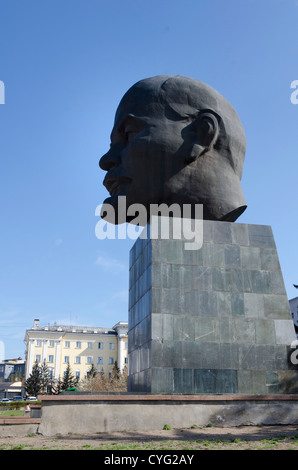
{"x":78,"y":344}
{"x":66,"y":359}
{"x":51,"y":372}
{"x":112,"y":345}
{"x":38,"y":343}
{"x":89,"y":344}
{"x":77,"y":374}
{"x":37,"y":358}
{"x":89,"y":360}
{"x":51,"y":343}
{"x":100,"y":345}
{"x":111,"y":360}
{"x":67,"y":344}
{"x":100,"y":360}
{"x":51,"y":358}
{"x":126,"y":360}
{"x":126,"y":345}
{"x":78,"y":360}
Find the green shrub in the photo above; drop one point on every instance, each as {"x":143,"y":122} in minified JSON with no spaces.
{"x":167,"y":427}
{"x":16,"y":405}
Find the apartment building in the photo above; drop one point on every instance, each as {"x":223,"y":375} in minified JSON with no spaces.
{"x":12,"y":369}
{"x":78,"y":346}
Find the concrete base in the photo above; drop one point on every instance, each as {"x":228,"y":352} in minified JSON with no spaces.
{"x":85,"y":414}
{"x":215,"y":320}
{"x":18,"y":426}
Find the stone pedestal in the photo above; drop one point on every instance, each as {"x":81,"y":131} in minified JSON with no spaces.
{"x":213,"y":320}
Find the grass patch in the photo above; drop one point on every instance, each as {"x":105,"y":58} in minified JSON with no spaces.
{"x":6,"y":413}
{"x":212,"y":444}
{"x":227,"y":441}
{"x":18,"y":447}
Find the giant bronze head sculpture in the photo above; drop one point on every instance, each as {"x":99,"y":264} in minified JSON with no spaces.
{"x":176,"y":140}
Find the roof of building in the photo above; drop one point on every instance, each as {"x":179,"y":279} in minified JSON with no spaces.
{"x":77,"y":329}
{"x":13,"y":361}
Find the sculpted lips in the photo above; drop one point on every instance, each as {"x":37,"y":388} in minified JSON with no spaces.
{"x":113,"y":185}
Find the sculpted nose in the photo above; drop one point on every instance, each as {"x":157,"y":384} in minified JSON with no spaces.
{"x":110,"y":160}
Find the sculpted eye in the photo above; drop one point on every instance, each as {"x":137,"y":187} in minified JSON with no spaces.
{"x":130,"y":127}
{"x":130,"y":135}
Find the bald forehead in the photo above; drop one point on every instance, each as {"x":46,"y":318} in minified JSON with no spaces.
{"x":175,"y":97}
{"x":142,"y":100}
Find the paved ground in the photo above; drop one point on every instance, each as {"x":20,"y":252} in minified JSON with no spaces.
{"x":203,"y":438}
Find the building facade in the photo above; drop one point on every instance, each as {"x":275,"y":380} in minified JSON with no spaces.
{"x":78,"y":346}
{"x":12,"y":369}
{"x":11,"y":390}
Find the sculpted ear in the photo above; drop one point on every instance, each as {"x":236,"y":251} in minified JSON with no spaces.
{"x":205,"y":132}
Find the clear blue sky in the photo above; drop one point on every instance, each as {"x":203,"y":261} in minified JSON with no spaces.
{"x":65,"y":65}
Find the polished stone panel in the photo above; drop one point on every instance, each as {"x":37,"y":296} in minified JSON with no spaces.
{"x":213,"y":320}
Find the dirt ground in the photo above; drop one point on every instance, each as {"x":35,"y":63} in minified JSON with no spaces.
{"x":200,"y":438}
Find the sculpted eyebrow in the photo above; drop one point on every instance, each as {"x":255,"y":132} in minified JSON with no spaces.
{"x":131,"y":120}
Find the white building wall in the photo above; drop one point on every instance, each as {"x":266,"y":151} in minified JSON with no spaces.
{"x":78,"y":346}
